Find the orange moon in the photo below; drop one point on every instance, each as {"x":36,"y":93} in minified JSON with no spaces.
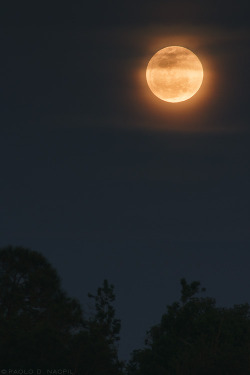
{"x":174,"y":74}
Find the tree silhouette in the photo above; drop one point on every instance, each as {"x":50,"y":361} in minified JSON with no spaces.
{"x":104,"y":316}
{"x":37,"y":319}
{"x":196,"y":337}
{"x":41,"y":327}
{"x":97,"y":344}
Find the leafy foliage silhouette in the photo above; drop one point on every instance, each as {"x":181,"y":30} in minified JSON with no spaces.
{"x":196,"y":337}
{"x":36,"y":317}
{"x":96,"y":345}
{"x":41,"y":327}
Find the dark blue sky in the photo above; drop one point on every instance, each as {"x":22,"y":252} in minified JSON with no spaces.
{"x":109,"y":182}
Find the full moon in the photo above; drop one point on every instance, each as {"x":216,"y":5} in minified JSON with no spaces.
{"x":174,"y":74}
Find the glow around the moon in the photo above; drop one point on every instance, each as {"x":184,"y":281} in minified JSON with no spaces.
{"x":174,"y":74}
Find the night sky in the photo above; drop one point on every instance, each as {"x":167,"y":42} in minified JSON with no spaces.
{"x":108,"y":181}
